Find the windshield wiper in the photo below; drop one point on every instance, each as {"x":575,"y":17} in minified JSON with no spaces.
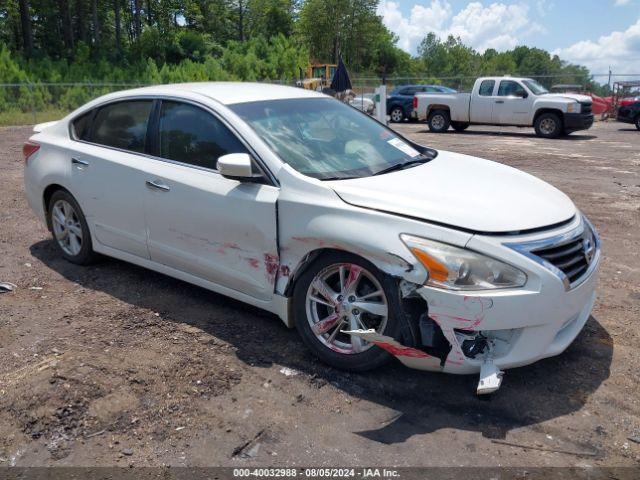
{"x":402,"y":166}
{"x":337,"y":178}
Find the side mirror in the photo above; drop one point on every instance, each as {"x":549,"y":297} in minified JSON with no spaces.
{"x":235,"y":165}
{"x":521,"y":94}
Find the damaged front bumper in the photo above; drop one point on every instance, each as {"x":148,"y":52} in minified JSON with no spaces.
{"x":489,"y":331}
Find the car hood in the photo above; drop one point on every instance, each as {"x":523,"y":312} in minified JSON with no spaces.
{"x":464,"y":192}
{"x":571,"y":96}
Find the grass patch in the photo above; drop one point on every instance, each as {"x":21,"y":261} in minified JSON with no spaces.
{"x":17,"y":117}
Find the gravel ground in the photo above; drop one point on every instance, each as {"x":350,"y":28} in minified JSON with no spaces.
{"x":116,"y":365}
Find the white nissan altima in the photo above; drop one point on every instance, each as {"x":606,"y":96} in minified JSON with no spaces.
{"x":371,"y":245}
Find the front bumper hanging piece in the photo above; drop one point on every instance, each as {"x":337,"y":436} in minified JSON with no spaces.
{"x":490,"y":377}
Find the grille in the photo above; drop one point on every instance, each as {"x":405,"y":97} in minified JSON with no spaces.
{"x":568,"y":257}
{"x":586,"y":107}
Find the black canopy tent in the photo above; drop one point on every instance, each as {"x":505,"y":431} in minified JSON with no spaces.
{"x":341,"y":81}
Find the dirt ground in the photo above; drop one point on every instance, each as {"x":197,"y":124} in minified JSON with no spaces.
{"x":116,"y":365}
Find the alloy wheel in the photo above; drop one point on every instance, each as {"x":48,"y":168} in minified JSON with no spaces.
{"x":396,"y":115}
{"x":547,"y":126}
{"x":66,"y":227}
{"x":437,"y":121}
{"x":341,"y":297}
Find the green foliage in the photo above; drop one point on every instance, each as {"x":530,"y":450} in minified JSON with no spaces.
{"x":459,"y":64}
{"x":351,"y":28}
{"x":158,"y":41}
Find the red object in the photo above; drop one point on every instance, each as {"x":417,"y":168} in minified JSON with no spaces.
{"x":601,"y":104}
{"x":402,"y":351}
{"x":415,"y":102}
{"x":628,"y":101}
{"x":28,"y":149}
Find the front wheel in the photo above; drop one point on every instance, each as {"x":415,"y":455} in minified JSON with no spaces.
{"x":342,"y":292}
{"x":439,"y":121}
{"x":396,"y":114}
{"x":548,"y":125}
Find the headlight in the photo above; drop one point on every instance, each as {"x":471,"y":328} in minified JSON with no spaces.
{"x":574,"y":107}
{"x":456,"y":268}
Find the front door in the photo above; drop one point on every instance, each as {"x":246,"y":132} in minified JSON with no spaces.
{"x":512,"y":105}
{"x":198,"y":221}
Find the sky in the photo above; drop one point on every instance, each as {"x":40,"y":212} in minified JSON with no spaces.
{"x":596,"y":33}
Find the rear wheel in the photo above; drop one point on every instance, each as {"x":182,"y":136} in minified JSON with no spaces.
{"x":69,"y":228}
{"x":341,"y":292}
{"x":459,"y":127}
{"x":396,"y":114}
{"x":548,"y":125}
{"x":638,"y":122}
{"x":439,"y":121}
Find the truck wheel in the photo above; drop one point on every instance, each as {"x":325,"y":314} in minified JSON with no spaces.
{"x":396,"y":114}
{"x":341,"y":291}
{"x":548,"y":125}
{"x":459,"y":127}
{"x":439,"y":121}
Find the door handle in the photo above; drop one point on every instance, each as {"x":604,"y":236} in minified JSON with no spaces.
{"x":499,"y":101}
{"x":82,"y":163}
{"x":158,"y":186}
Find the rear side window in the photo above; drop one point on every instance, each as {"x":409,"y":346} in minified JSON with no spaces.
{"x":509,"y":88}
{"x":192,"y":135}
{"x":81,"y":126}
{"x":409,"y":91}
{"x":486,"y":88}
{"x":122,"y":125}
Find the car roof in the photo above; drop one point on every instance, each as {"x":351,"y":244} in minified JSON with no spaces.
{"x":226,"y":92}
{"x":419,"y":86}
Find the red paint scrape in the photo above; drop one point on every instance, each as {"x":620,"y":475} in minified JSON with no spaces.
{"x":402,"y":351}
{"x":254,"y":263}
{"x":272,"y":264}
{"x":285,"y":271}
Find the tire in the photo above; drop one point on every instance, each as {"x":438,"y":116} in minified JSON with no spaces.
{"x":344,"y":351}
{"x":396,"y":114}
{"x":439,"y":121}
{"x":75,"y":227}
{"x":459,"y":127}
{"x":548,"y":125}
{"x":638,"y":122}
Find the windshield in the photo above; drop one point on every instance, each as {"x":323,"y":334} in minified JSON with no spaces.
{"x":324,"y":138}
{"x":535,"y":87}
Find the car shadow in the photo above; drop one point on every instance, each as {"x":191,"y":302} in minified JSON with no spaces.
{"x":628,"y":130}
{"x":494,"y":133}
{"x":424,"y":401}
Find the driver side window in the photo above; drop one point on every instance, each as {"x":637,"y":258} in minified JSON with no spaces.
{"x":509,"y":88}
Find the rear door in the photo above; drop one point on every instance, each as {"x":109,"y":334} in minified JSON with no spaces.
{"x":107,"y":172}
{"x":482,"y":103}
{"x":512,"y":105}
{"x":198,"y":221}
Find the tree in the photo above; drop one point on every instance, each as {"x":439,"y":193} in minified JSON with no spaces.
{"x":118,"y":28}
{"x":348,"y":27}
{"x":25,"y":21}
{"x":96,"y":24}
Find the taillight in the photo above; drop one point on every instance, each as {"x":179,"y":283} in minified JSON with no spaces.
{"x":28,"y":149}
{"x":415,"y":102}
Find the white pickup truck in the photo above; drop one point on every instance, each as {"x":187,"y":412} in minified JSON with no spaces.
{"x":520,"y":102}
